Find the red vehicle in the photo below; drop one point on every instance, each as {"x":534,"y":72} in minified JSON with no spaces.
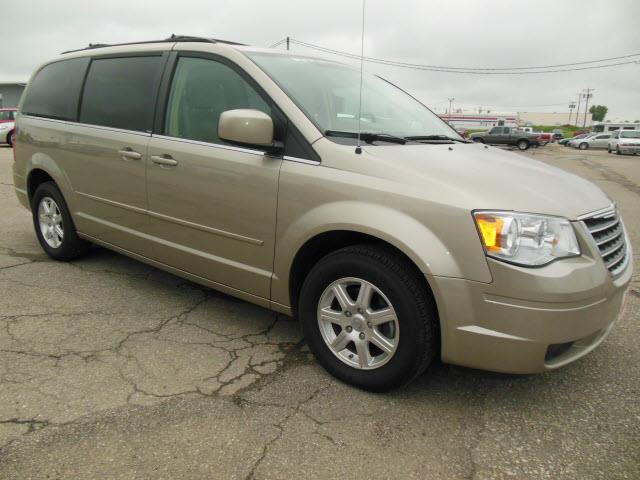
{"x":545,"y":137}
{"x":7,"y":125}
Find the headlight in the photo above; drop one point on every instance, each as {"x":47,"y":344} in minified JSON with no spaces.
{"x":525,"y":239}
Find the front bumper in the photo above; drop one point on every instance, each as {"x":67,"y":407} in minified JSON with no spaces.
{"x":629,"y":148}
{"x":530,"y":320}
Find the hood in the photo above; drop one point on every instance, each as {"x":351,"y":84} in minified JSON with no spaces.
{"x":475,"y":176}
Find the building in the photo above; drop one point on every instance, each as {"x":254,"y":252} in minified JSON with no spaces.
{"x":553,"y":118}
{"x":471,"y":120}
{"x":10,"y":93}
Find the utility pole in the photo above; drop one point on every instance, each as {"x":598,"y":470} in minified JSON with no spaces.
{"x":572,"y":105}
{"x":287,"y":43}
{"x":587,"y":96}
{"x":578,"y":109}
{"x":450,"y":111}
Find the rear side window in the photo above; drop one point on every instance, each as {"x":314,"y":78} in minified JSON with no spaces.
{"x":55,"y":90}
{"x":121,"y":92}
{"x":201,"y":90}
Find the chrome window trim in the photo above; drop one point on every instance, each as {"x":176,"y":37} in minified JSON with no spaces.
{"x":80,"y":124}
{"x":300,"y":160}
{"x":210,"y":144}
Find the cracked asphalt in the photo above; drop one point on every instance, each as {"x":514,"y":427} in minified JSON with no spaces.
{"x":113,"y":369}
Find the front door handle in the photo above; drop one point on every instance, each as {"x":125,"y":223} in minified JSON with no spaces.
{"x":128,"y":154}
{"x":165,"y":160}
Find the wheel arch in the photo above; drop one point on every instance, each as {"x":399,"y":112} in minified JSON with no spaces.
{"x":300,"y":247}
{"x":42,"y":168}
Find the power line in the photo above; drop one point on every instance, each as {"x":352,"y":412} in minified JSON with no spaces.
{"x":469,"y":70}
{"x":278,"y":43}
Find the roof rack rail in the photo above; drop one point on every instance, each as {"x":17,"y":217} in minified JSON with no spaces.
{"x":172,"y":38}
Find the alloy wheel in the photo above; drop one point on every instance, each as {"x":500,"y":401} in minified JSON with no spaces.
{"x":50,"y":221}
{"x":358,"y":323}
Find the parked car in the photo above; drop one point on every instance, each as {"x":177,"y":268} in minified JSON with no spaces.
{"x":624,"y":141}
{"x":578,"y":138}
{"x":215,"y":161}
{"x":6,"y":132}
{"x":507,"y":136}
{"x":544,"y":137}
{"x":7,"y":117}
{"x":565,"y":141}
{"x":596,"y":140}
{"x":558,"y":133}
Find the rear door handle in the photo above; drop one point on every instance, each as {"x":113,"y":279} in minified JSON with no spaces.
{"x":128,"y":154}
{"x":165,"y":160}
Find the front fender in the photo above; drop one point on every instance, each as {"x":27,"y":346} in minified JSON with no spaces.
{"x":429,"y":252}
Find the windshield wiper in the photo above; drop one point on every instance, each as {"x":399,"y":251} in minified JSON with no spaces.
{"x":436,"y":138}
{"x":367,"y":137}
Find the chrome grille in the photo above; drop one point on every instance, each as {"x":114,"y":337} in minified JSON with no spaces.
{"x":608,"y":233}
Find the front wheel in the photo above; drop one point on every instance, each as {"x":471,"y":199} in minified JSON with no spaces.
{"x":53,"y":224}
{"x":10,"y":139}
{"x":478,"y":140}
{"x":369,"y":318}
{"x":523,"y":144}
{"x":583,"y":146}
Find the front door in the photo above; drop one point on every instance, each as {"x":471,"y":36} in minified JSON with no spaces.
{"x":212,"y":206}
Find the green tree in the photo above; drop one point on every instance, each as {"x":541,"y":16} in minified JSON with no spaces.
{"x":598,"y":112}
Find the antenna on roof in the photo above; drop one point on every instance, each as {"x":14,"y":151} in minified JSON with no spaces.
{"x":358,"y":147}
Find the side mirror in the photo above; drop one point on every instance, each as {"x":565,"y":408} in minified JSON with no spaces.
{"x":248,"y":128}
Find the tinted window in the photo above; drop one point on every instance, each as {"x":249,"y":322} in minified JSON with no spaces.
{"x":201,"y":90}
{"x":6,"y":115}
{"x":121,"y":92}
{"x":55,"y":90}
{"x":495,"y":130}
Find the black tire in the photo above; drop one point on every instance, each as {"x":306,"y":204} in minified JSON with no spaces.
{"x":406,"y":289}
{"x":10,"y":138}
{"x":608,"y":149}
{"x":618,"y":152}
{"x":583,"y":146}
{"x":478,"y":140}
{"x":71,"y":246}
{"x":523,"y":144}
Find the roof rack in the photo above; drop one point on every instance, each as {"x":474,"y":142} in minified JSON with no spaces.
{"x":171,"y":39}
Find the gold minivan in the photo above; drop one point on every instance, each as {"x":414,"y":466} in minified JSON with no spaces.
{"x":240,"y":168}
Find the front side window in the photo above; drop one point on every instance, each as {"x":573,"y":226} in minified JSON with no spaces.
{"x":55,"y":90}
{"x":201,"y":90}
{"x":121,"y":92}
{"x":329,"y":94}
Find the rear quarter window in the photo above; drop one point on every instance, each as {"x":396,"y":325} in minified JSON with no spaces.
{"x":121,"y":92}
{"x":55,"y":90}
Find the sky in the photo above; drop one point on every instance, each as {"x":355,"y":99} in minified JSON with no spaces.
{"x":467,"y":33}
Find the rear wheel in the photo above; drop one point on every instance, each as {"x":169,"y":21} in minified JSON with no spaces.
{"x":478,"y":140}
{"x":53,"y":224}
{"x":608,"y":149}
{"x":583,"y":146}
{"x":523,"y":144}
{"x":10,"y":138}
{"x":368,"y":317}
{"x":618,"y":152}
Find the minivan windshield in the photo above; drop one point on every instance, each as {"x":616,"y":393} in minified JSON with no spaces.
{"x":328,"y":92}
